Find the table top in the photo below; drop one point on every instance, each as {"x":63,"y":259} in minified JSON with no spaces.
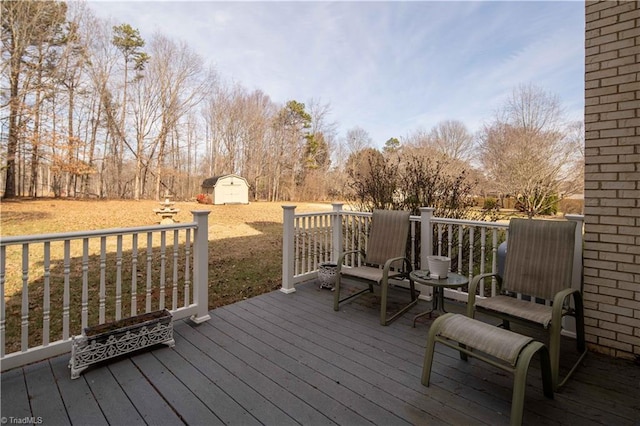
{"x":452,"y":280}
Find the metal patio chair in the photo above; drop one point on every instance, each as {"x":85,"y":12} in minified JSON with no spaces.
{"x":384,"y":259}
{"x":538,"y":266}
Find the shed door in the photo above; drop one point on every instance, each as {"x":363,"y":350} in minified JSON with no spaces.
{"x":232,"y":193}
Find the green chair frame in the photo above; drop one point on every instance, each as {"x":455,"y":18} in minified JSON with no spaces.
{"x":384,"y":259}
{"x":539,"y":264}
{"x":504,"y":349}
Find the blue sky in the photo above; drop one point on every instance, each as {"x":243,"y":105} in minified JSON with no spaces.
{"x":388,"y":67}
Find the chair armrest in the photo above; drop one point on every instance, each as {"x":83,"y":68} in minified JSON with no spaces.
{"x":389,"y":262}
{"x":558,"y":302}
{"x":342,"y":256}
{"x":473,"y":286}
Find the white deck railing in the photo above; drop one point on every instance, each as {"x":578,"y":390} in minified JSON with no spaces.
{"x":310,"y":239}
{"x":94,"y":277}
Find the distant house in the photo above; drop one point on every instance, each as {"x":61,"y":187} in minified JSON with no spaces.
{"x":227,"y":189}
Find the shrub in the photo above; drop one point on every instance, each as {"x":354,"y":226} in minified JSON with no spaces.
{"x":204,"y":199}
{"x":490,"y":204}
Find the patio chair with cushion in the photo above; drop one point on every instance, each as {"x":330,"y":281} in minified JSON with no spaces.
{"x":384,"y":259}
{"x":538,"y":266}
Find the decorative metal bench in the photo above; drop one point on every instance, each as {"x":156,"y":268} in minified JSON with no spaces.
{"x":501,"y":348}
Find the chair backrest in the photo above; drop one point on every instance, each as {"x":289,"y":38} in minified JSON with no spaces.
{"x":388,"y":236}
{"x":539,"y":257}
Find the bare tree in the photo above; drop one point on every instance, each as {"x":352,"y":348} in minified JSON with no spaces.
{"x":452,"y":138}
{"x":525,"y":152}
{"x":357,"y":139}
{"x":28,"y":28}
{"x":181,"y":86}
{"x":129,"y":42}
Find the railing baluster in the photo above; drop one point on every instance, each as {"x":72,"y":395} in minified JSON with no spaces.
{"x":187,"y":269}
{"x":362,"y":242}
{"x":46,"y":309}
{"x":163,"y":266}
{"x":297,"y":246}
{"x":103,"y":286}
{"x":25,"y":298}
{"x":3,"y":314}
{"x":322,"y":241}
{"x":174,"y":294}
{"x":134,"y":274}
{"x":450,"y":241}
{"x":460,"y":249}
{"x":483,"y":247}
{"x":66,"y":296}
{"x":310,"y":241}
{"x":439,"y":227}
{"x":85,"y":283}
{"x":149,"y":271}
{"x":412,"y":238}
{"x":118,"y":277}
{"x":471,"y":242}
{"x":494,"y":262}
{"x":313,"y":247}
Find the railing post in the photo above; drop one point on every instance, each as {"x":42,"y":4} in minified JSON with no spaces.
{"x":568,"y":323}
{"x":426,"y":234}
{"x":336,"y":232}
{"x":576,"y":277}
{"x":288,"y":247}
{"x":201,"y":266}
{"x":426,"y":246}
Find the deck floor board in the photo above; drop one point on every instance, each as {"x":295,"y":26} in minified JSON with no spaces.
{"x":289,"y":359}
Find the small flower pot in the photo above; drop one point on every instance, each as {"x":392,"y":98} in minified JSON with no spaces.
{"x":112,"y":339}
{"x":439,"y":266}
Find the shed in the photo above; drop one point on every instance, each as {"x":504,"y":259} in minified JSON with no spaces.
{"x":227,"y":189}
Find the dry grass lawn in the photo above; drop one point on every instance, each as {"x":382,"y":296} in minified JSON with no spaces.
{"x":245,"y":248}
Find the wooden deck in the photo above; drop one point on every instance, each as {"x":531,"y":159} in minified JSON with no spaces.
{"x":282,"y":359}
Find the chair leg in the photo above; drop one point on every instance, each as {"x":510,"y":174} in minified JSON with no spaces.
{"x":520,"y":380}
{"x":384,"y":293}
{"x":384,"y":290}
{"x":428,"y":355}
{"x":336,"y":293}
{"x":581,"y":344}
{"x":554,"y":352}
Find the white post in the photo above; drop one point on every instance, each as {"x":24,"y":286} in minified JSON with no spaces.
{"x":288,"y":246}
{"x":576,"y":277}
{"x":336,"y":232}
{"x":426,"y":235}
{"x":426,"y":247}
{"x":568,"y":323}
{"x":201,"y":266}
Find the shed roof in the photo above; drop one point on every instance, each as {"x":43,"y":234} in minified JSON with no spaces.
{"x":211,"y":182}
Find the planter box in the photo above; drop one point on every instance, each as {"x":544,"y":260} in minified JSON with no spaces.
{"x":109,"y":340}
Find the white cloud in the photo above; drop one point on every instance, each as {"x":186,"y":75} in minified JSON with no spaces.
{"x":388,"y":67}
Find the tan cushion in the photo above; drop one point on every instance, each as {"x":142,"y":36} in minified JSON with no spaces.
{"x":500,"y":343}
{"x":366,"y":273}
{"x":535,"y":312}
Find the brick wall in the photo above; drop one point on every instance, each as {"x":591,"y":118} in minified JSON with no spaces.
{"x":612,"y":177}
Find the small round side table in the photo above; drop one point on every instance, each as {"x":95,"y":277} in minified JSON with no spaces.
{"x":452,"y":280}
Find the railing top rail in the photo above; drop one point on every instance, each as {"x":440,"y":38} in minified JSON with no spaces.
{"x":38,"y":238}
{"x":479,"y":223}
{"x":434,"y":219}
{"x":312,"y":214}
